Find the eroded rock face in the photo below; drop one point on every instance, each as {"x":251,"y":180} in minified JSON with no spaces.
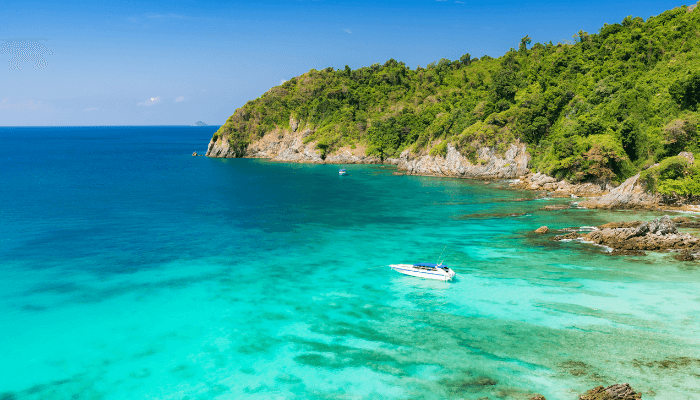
{"x":631,"y":194}
{"x":289,"y":146}
{"x":281,"y":145}
{"x":632,"y":238}
{"x":220,"y":148}
{"x":512,"y":164}
{"x":614,"y":392}
{"x":293,"y":123}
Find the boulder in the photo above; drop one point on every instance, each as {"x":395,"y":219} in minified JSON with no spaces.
{"x":542,"y":229}
{"x":293,"y":123}
{"x":614,"y":392}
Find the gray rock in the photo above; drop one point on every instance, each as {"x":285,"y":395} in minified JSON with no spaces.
{"x":293,"y":123}
{"x":658,"y":234}
{"x":631,"y":194}
{"x":687,"y":155}
{"x":512,"y":164}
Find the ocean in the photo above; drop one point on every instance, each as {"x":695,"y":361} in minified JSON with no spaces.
{"x":131,"y":270}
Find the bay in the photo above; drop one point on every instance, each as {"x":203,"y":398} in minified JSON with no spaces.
{"x":131,"y":269}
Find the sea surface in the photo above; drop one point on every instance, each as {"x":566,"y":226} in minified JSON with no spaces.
{"x":131,"y":270}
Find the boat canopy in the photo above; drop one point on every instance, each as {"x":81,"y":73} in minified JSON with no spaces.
{"x":429,"y":265}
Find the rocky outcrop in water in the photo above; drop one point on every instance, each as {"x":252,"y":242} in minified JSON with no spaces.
{"x":620,"y":391}
{"x":614,"y":392}
{"x":490,"y":165}
{"x":635,"y":237}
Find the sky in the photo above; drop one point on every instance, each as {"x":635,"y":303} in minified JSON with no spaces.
{"x":179,"y":62}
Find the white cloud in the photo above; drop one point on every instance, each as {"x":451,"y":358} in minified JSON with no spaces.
{"x":22,"y":105}
{"x":459,"y":2}
{"x":90,"y":109}
{"x":179,"y":99}
{"x":149,"y":102}
{"x":347,"y":31}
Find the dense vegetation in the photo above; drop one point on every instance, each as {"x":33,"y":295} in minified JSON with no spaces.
{"x":603,"y":107}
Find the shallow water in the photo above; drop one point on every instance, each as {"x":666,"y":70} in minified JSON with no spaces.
{"x":133,"y":270}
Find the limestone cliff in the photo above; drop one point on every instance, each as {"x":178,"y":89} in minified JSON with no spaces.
{"x":512,"y":164}
{"x":289,"y":146}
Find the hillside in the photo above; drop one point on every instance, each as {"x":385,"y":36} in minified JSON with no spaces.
{"x":602,"y":108}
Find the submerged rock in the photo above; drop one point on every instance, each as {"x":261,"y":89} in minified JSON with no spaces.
{"x":685,"y":222}
{"x":614,"y":392}
{"x":556,"y":207}
{"x":684,"y":256}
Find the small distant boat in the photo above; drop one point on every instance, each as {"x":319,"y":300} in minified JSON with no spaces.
{"x":425,"y":270}
{"x":342,"y":172}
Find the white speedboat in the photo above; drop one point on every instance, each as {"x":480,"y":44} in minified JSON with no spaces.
{"x":425,"y":270}
{"x":342,"y":172}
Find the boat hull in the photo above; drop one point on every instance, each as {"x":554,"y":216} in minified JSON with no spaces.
{"x":436,"y":274}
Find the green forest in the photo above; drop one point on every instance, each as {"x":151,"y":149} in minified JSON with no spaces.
{"x":601,"y":107}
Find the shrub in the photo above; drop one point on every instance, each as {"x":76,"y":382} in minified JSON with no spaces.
{"x":440,"y":149}
{"x":668,"y":169}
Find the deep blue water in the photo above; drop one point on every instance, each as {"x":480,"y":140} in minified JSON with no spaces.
{"x":131,"y":269}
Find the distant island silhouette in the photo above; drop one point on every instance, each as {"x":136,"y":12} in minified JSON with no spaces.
{"x":200,"y":123}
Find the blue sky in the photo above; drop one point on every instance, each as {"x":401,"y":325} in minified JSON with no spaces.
{"x":177,"y":62}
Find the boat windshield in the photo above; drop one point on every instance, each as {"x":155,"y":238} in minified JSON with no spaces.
{"x":429,"y":265}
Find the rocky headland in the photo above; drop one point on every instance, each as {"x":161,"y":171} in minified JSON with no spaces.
{"x":634,"y":238}
{"x":292,"y":144}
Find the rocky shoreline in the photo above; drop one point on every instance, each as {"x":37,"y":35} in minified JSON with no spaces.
{"x":291,"y":145}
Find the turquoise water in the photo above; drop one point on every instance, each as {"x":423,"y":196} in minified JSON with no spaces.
{"x":131,"y":270}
